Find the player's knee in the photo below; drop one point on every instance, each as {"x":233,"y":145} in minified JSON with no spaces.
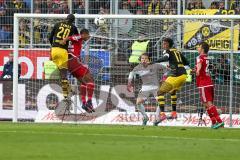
{"x":165,"y":87}
{"x":139,"y":101}
{"x":87,"y":78}
{"x":63,"y":74}
{"x":174,"y":92}
{"x":205,"y":105}
{"x":208,"y":104}
{"x":160,"y":92}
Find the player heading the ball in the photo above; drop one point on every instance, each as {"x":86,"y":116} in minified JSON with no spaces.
{"x":59,"y":51}
{"x":79,"y":70}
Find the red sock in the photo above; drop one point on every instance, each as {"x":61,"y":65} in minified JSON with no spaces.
{"x":83,"y":89}
{"x":215,"y":113}
{"x":210,"y":114}
{"x":90,"y":89}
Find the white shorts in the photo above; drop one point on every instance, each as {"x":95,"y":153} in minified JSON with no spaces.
{"x":146,"y":91}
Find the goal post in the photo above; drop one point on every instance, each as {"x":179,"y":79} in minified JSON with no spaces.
{"x":113,"y":41}
{"x":15,"y":68}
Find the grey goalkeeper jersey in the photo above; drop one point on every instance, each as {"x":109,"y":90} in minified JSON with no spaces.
{"x":150,"y":75}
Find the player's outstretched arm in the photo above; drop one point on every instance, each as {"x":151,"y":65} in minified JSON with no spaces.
{"x":130,"y":85}
{"x":71,"y":38}
{"x":161,"y":66}
{"x":64,"y":41}
{"x":162,"y":59}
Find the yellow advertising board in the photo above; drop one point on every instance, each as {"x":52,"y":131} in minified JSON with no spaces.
{"x":216,"y":32}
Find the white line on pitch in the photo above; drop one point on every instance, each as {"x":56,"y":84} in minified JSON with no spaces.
{"x":120,"y":135}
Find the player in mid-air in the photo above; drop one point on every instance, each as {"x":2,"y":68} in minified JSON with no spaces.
{"x":79,"y":70}
{"x":205,"y":85}
{"x":149,"y":74}
{"x":59,"y":51}
{"x":175,"y":79}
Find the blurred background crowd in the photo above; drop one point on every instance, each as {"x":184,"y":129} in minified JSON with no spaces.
{"x":33,"y":33}
{"x":40,"y":29}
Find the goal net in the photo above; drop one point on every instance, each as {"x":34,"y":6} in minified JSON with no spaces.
{"x":37,"y":92}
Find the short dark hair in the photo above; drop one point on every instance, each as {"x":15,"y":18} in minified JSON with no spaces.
{"x":204,"y":46}
{"x":144,"y":54}
{"x":84,"y":30}
{"x":169,"y":41}
{"x":71,"y":18}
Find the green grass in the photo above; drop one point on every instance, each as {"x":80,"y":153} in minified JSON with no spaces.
{"x":27,"y":141}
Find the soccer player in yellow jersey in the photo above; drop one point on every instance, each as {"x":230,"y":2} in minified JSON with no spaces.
{"x":59,"y":51}
{"x":175,"y":79}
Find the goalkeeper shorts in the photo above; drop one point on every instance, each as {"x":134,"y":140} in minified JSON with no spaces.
{"x":147,"y":91}
{"x":60,"y":57}
{"x":176,"y":82}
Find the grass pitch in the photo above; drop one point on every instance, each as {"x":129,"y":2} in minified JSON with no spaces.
{"x":27,"y":141}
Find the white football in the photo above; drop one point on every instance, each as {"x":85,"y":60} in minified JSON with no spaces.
{"x":100,"y":21}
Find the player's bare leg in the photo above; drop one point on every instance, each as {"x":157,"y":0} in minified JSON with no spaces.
{"x":88,"y":83}
{"x":141,"y":108}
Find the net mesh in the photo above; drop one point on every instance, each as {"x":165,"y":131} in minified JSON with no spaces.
{"x":107,"y":55}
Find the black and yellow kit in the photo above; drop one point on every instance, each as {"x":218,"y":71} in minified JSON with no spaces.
{"x":177,"y":74}
{"x":59,"y":53}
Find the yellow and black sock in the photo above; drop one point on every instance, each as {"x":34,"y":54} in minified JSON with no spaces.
{"x":65,"y":88}
{"x":174,"y":101}
{"x":161,"y":102}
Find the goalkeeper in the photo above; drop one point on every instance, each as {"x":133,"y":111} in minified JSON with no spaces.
{"x":79,"y":70}
{"x":175,"y":79}
{"x":150,"y":82}
{"x":59,"y":53}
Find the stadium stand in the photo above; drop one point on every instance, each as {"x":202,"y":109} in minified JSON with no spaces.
{"x":42,"y":28}
{"x":9,"y":7}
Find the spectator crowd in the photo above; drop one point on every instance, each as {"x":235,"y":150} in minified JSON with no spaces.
{"x":41,"y":28}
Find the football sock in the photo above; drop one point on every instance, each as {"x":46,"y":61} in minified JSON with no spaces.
{"x":83,"y":90}
{"x":211,"y":115}
{"x":142,"y":110}
{"x":65,"y":88}
{"x":90,"y":89}
{"x":174,"y":101}
{"x":161,"y":102}
{"x":215,"y":113}
{"x":158,"y":113}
